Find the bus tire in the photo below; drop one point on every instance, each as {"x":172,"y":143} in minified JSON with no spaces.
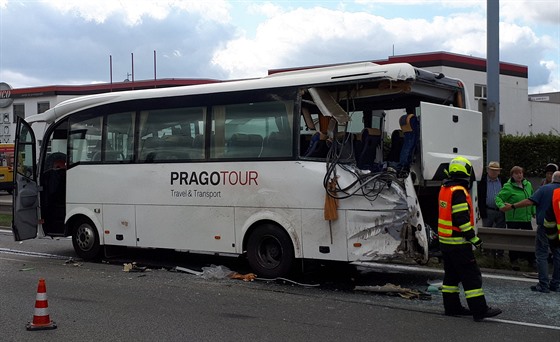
{"x":270,"y":251}
{"x":85,"y":240}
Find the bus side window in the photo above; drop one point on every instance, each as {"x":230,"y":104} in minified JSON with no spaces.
{"x":244,"y":145}
{"x":277,"y":145}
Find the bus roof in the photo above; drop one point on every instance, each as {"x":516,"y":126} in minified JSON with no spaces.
{"x":314,"y":76}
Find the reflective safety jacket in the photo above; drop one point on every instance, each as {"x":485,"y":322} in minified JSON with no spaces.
{"x":552,"y":217}
{"x":455,"y":222}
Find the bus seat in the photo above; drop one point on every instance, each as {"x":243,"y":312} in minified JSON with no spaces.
{"x":114,"y":156}
{"x":150,"y":146}
{"x":396,"y":146}
{"x":245,"y":145}
{"x":277,"y":145}
{"x":371,"y":139}
{"x":56,"y":160}
{"x":318,"y":147}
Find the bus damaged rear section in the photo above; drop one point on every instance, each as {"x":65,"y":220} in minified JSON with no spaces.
{"x":381,"y":216}
{"x":389,"y":213}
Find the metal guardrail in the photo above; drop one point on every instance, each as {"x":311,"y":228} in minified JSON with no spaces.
{"x":507,"y":239}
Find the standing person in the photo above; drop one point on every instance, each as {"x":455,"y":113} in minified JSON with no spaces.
{"x":549,"y":169}
{"x":488,"y":188}
{"x":410,"y":128}
{"x":516,"y":189}
{"x":542,"y":199}
{"x":552,"y":229}
{"x":457,"y":236}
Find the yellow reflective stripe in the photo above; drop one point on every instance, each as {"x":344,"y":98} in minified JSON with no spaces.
{"x":452,"y":240}
{"x":445,"y":231}
{"x":449,"y":289}
{"x":552,"y":236}
{"x":445,"y":222}
{"x":549,"y":224}
{"x":474,"y":293}
{"x":459,"y":207}
{"x":466,"y":227}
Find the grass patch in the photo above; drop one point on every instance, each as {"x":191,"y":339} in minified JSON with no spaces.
{"x":5,"y":220}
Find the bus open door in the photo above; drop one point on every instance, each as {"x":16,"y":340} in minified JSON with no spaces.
{"x":25,"y":195}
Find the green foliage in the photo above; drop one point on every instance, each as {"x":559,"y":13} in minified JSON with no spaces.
{"x":531,"y":152}
{"x":5,"y":220}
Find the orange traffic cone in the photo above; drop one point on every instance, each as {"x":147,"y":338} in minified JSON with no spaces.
{"x":41,"y":319}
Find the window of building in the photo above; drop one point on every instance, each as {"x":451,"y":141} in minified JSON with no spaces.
{"x":480,"y":91}
{"x":19,"y":111}
{"x":43,"y":107}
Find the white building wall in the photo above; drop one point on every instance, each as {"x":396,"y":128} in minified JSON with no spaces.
{"x":515,"y":112}
{"x":31,"y":106}
{"x":544,"y":118}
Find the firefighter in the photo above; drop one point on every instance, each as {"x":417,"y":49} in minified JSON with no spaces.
{"x":552,"y":229}
{"x":457,"y":236}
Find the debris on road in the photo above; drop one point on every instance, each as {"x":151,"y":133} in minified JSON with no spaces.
{"x":217,"y":272}
{"x":395,"y":290}
{"x":73,"y":263}
{"x":132,"y":267}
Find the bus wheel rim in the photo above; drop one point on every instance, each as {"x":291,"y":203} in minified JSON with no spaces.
{"x":85,"y":237}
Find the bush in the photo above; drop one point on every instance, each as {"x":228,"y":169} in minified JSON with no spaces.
{"x":531,"y":152}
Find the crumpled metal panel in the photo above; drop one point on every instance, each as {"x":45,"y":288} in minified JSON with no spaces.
{"x":391,"y":229}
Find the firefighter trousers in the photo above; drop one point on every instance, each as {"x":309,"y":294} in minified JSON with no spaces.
{"x":460,"y":266}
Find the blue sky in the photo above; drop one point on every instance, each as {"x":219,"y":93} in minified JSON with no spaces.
{"x":70,"y":41}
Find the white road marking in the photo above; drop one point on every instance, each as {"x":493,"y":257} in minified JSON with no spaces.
{"x":33,"y":254}
{"x":523,"y":323}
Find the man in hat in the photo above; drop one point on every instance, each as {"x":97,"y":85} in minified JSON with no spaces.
{"x":488,"y":187}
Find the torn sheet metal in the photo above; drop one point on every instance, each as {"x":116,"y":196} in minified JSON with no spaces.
{"x":328,"y":105}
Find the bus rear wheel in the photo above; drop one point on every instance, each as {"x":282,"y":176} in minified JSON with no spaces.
{"x":86,"y":240}
{"x":270,"y":251}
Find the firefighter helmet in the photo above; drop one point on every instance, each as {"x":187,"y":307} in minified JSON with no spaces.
{"x":460,"y":167}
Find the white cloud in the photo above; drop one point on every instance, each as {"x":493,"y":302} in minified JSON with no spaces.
{"x":309,"y":33}
{"x":533,"y":11}
{"x":265,"y":8}
{"x":553,"y":84}
{"x":132,"y":11}
{"x":19,"y":79}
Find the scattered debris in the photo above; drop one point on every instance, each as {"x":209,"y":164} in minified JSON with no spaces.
{"x":244,"y":277}
{"x":532,"y":275}
{"x":185,"y":270}
{"x":395,"y":290}
{"x":132,"y":267}
{"x":434,"y":286}
{"x":74,"y":263}
{"x":216,"y":272}
{"x":27,"y":269}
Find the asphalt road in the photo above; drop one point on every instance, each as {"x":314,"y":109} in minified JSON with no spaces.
{"x":101,"y":302}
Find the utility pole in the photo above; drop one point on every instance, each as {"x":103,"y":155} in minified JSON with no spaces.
{"x":492,"y":118}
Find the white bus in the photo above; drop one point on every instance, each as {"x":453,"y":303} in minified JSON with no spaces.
{"x":247,"y":167}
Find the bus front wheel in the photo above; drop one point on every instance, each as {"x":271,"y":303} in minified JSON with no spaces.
{"x":270,"y":251}
{"x":86,"y":240}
